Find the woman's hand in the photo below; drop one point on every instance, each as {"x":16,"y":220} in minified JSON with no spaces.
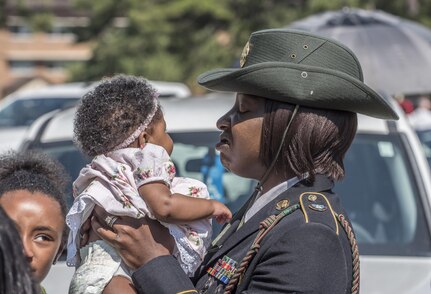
{"x":137,"y":241}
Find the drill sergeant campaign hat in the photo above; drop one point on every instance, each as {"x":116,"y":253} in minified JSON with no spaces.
{"x":303,"y":69}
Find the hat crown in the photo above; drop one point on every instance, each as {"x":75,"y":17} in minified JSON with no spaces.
{"x":278,"y":45}
{"x":300,"y":68}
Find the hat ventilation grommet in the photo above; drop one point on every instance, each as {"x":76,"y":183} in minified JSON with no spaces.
{"x":305,"y":47}
{"x":293,"y":55}
{"x":304,"y":74}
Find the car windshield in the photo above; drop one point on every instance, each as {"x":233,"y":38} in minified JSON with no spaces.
{"x":24,"y":111}
{"x":382,"y":198}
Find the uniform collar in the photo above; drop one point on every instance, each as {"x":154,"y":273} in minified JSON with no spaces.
{"x":265,"y":198}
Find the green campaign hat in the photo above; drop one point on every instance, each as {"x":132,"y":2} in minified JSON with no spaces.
{"x":300,"y":68}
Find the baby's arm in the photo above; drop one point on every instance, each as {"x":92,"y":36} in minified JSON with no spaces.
{"x":178,"y":208}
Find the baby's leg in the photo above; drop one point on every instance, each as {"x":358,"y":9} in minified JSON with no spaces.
{"x":100,"y":264}
{"x":119,"y":284}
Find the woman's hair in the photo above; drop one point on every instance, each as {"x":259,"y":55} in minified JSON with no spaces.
{"x":316,"y":141}
{"x":15,"y":274}
{"x":34,"y":172}
{"x":111,"y":112}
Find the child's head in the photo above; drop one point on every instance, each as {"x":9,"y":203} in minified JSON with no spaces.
{"x":32,"y":189}
{"x":115,"y":113}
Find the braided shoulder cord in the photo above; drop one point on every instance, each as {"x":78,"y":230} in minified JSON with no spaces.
{"x":355,"y":252}
{"x":264,"y":228}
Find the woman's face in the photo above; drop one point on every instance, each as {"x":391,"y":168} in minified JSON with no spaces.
{"x":239,"y":144}
{"x":40,"y":223}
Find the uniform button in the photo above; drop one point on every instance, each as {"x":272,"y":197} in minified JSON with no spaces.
{"x":312,"y":197}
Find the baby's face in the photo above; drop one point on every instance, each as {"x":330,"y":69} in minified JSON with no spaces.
{"x":159,"y":136}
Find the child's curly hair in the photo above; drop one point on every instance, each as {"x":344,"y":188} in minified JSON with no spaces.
{"x":111,"y":112}
{"x":34,"y":172}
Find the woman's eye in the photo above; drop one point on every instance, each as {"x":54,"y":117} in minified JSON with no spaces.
{"x":43,"y":238}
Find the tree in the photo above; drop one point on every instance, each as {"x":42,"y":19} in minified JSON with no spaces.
{"x":177,"y":40}
{"x":173,"y":40}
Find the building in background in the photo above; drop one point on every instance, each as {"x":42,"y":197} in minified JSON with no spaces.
{"x":38,"y":44}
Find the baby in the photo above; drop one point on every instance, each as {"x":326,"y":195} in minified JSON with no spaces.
{"x":121,"y":124}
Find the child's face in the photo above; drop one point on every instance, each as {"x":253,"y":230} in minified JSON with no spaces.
{"x":160,"y":137}
{"x":40,"y":224}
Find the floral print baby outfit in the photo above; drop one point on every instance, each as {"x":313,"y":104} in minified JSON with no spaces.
{"x":112,"y":182}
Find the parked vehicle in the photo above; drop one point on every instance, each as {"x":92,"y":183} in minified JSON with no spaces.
{"x":386,"y":191}
{"x":425,"y":139}
{"x":19,"y":110}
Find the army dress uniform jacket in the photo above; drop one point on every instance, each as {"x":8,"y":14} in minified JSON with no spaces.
{"x":306,"y":252}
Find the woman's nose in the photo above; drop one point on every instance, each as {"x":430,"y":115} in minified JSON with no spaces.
{"x":28,"y":249}
{"x":223,"y":122}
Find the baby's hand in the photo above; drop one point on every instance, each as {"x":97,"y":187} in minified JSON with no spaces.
{"x":221,"y":213}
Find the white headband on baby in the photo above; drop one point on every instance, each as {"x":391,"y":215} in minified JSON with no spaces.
{"x":142,"y":127}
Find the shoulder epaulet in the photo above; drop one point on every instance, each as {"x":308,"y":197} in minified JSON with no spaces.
{"x":317,"y":209}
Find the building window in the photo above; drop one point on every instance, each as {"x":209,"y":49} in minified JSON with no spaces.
{"x":22,"y":66}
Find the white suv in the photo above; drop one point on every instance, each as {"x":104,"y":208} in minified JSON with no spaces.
{"x":19,"y":110}
{"x":386,"y":191}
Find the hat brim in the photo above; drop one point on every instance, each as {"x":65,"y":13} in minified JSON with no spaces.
{"x":301,"y":84}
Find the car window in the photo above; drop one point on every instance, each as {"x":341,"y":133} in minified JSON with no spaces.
{"x":24,"y":111}
{"x":425,"y":139}
{"x":69,"y":156}
{"x":382,"y":197}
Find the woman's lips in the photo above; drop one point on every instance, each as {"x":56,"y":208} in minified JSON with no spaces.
{"x":223,"y":144}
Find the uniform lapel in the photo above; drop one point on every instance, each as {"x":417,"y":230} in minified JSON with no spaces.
{"x":234,"y":237}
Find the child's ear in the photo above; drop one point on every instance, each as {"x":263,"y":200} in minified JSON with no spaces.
{"x":142,"y":139}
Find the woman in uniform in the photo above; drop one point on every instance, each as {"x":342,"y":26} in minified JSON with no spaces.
{"x":293,"y":121}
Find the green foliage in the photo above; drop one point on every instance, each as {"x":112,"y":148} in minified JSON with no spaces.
{"x":41,"y":22}
{"x":177,"y":40}
{"x":162,"y":41}
{"x":315,"y":6}
{"x":2,"y":13}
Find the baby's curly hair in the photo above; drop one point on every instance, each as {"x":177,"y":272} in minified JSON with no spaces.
{"x":111,"y":112}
